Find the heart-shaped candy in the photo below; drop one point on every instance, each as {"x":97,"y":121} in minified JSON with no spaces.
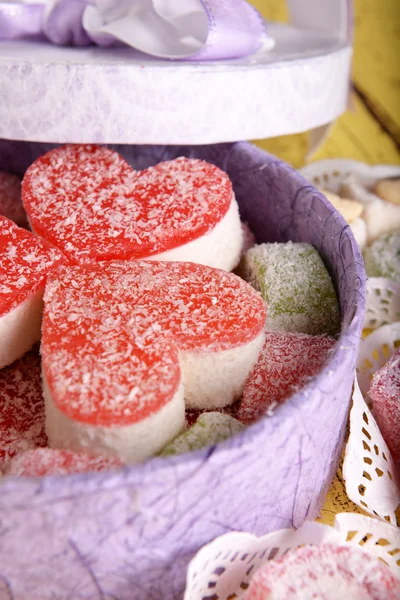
{"x":25,"y":262}
{"x":89,"y":202}
{"x":125,"y":342}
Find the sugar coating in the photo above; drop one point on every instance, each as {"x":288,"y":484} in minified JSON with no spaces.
{"x":385,"y":394}
{"x":10,"y":199}
{"x":210,"y":428}
{"x":285,"y":364}
{"x":88,"y":201}
{"x":22,"y":425}
{"x":25,"y":262}
{"x":324,"y":572}
{"x":50,"y":461}
{"x":296,"y":287}
{"x":112,"y":333}
{"x":382,"y":258}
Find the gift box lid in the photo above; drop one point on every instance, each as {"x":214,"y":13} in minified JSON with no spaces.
{"x":118,"y":95}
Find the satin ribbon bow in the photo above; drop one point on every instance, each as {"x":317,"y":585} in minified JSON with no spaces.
{"x":175,"y":29}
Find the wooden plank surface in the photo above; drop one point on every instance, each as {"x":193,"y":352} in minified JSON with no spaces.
{"x":370,"y":130}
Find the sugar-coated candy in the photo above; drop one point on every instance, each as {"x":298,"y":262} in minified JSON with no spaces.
{"x":324,"y":572}
{"x":125,"y":342}
{"x":50,"y":461}
{"x":296,"y":287}
{"x":389,"y":189}
{"x":210,"y":428}
{"x":285,"y":364}
{"x":90,"y":203}
{"x":385,"y":395}
{"x":249,"y":239}
{"x":382,"y":258}
{"x":10,"y":199}
{"x":25,"y":262}
{"x":351,"y":211}
{"x":381,"y":214}
{"x":22,"y":425}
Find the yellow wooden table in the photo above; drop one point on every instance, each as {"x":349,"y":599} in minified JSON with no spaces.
{"x":369,"y":131}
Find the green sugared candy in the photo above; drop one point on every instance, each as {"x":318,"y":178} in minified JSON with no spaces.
{"x":296,"y":287}
{"x":210,"y":428}
{"x":382,"y":258}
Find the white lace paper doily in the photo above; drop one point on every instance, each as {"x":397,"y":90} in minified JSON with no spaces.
{"x":222,"y":570}
{"x":383,"y":302}
{"x":369,"y":471}
{"x":355,"y":180}
{"x":374,"y":352}
{"x":332,"y":173}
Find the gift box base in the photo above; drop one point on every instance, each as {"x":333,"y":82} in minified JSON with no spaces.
{"x":130,"y":533}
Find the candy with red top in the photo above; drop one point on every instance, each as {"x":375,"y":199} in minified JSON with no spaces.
{"x":90,"y":203}
{"x":49,"y":461}
{"x":296,"y":287}
{"x":22,"y":424}
{"x":285,"y":364}
{"x":10,"y":199}
{"x":125,"y":342}
{"x":385,"y":395}
{"x":25,"y":262}
{"x":210,"y":428}
{"x":324,"y":572}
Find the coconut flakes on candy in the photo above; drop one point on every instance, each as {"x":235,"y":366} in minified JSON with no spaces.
{"x":40,"y":462}
{"x":25,"y":263}
{"x":382,"y":258}
{"x":296,"y":287}
{"x":285,"y":364}
{"x":385,"y":395}
{"x":90,"y":203}
{"x":22,"y":421}
{"x":111,"y":336}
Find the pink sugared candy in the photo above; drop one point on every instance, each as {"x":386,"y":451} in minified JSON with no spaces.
{"x":22,"y":424}
{"x":49,"y":461}
{"x":10,"y":199}
{"x":25,"y":262}
{"x":324,"y":572}
{"x":90,"y":203}
{"x":285,"y":363}
{"x":125,"y":343}
{"x":385,"y":394}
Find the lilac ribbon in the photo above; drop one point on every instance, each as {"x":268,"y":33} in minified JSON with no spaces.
{"x":235,"y":29}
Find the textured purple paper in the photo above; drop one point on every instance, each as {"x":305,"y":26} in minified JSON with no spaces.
{"x":129,"y":534}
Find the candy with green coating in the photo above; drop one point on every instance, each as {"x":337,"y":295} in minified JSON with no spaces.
{"x":210,"y":428}
{"x":296,"y":287}
{"x":382,"y":258}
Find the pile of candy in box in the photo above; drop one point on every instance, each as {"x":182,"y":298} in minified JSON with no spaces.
{"x":163,"y":326}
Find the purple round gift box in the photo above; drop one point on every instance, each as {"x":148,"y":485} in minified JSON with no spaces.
{"x":130,"y":534}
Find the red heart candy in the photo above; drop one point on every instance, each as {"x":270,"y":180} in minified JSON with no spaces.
{"x":89,"y":202}
{"x":25,"y":262}
{"x":120,"y":339}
